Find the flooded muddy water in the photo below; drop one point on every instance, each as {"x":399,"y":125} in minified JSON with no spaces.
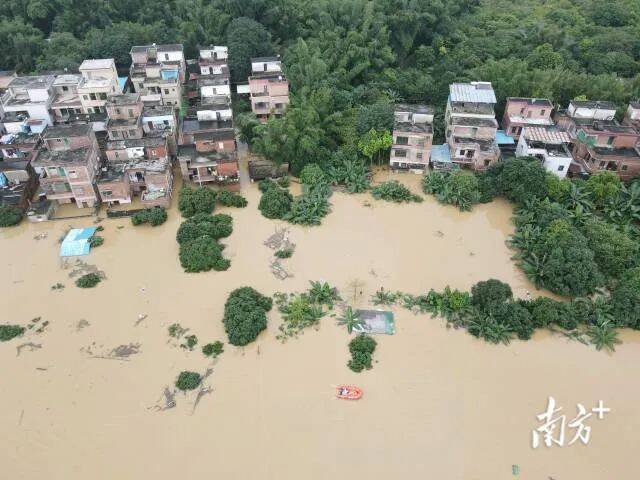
{"x":90,"y":402}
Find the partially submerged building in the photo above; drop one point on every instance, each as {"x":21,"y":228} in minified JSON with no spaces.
{"x":68,"y":164}
{"x":471,"y":125}
{"x":549,"y":145}
{"x":412,"y":137}
{"x":268,"y":88}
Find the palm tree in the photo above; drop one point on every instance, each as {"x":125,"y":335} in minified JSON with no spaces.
{"x":578,"y":196}
{"x":604,"y":336}
{"x":351,"y":320}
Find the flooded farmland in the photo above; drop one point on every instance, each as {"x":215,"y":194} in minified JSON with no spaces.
{"x":86,"y":398}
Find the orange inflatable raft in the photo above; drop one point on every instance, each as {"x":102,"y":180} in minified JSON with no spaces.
{"x":348,"y":392}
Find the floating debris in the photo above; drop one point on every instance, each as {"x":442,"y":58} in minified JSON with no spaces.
{"x":30,"y":345}
{"x":82,"y":323}
{"x":41,"y":236}
{"x":141,"y":317}
{"x":278,"y":270}
{"x":438,"y":234}
{"x":57,"y":286}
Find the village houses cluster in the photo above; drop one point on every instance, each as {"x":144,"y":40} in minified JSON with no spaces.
{"x":100,"y":136}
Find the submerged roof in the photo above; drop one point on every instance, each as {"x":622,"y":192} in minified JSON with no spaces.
{"x":77,"y":242}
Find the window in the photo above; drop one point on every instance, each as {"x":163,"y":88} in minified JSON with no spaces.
{"x":487,"y":162}
{"x":561,"y":168}
{"x":65,"y":89}
{"x":166,"y":123}
{"x":132,"y":133}
{"x":402,"y":140}
{"x":514,"y":129}
{"x":107,"y":193}
{"x":602,"y":164}
{"x":542,"y":112}
{"x":130,"y":113}
{"x":93,"y":96}
{"x":419,"y":155}
{"x":166,"y":56}
{"x":400,"y":153}
{"x":610,"y":140}
{"x":102,"y":96}
{"x":522,"y":111}
{"x":118,"y":111}
{"x":166,"y":91}
{"x":624,"y":167}
{"x":86,"y":97}
{"x":117,"y":154}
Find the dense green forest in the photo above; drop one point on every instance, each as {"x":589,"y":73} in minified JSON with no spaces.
{"x":348,"y":60}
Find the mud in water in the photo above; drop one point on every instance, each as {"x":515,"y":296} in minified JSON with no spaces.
{"x":437,"y":404}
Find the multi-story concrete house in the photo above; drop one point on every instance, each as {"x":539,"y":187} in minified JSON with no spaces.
{"x":124,"y":113}
{"x":213,"y":60}
{"x":268,"y":88}
{"x":526,"y":112}
{"x":608,"y":146}
{"x":632,"y":115}
{"x":549,"y":145}
{"x":66,"y":105}
{"x":68,"y":164}
{"x":137,"y":167}
{"x":599,"y":142}
{"x":207,"y":152}
{"x":18,"y":180}
{"x":157,"y":72}
{"x":162,"y":118}
{"x":26,"y":104}
{"x":584,"y":113}
{"x":99,"y":80}
{"x":6,"y":77}
{"x":471,"y":126}
{"x":412,"y":137}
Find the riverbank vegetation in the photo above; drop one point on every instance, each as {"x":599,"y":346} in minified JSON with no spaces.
{"x":490,"y":312}
{"x":394,"y":191}
{"x":573,"y":237}
{"x":245,"y":315}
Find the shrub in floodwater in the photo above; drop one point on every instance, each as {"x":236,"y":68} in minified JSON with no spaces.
{"x":275,"y":202}
{"x":213,"y":349}
{"x":8,"y":332}
{"x":176,"y":330}
{"x":298,"y":312}
{"x":10,"y":215}
{"x":202,"y":255}
{"x":194,"y":200}
{"x":190,"y":342}
{"x":394,"y":191}
{"x":385,"y":297}
{"x":361,"y":349}
{"x":231,"y":199}
{"x":96,"y":241}
{"x":310,"y":207}
{"x":460,"y":188}
{"x":487,"y":295}
{"x":245,"y":315}
{"x":284,"y":182}
{"x":188,"y":381}
{"x":89,"y":280}
{"x":284,"y":253}
{"x":205,"y":225}
{"x":324,"y":294}
{"x":154,"y":216}
{"x":312,"y":175}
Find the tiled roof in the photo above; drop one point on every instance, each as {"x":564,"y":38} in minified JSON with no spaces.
{"x":546,"y":135}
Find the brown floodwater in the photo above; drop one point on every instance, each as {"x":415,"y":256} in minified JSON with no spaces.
{"x":437,"y":404}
